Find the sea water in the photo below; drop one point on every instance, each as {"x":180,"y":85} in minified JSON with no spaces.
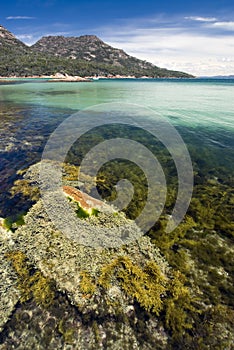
{"x":202,"y":111}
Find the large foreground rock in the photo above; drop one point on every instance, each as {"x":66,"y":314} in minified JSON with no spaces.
{"x":59,"y":294}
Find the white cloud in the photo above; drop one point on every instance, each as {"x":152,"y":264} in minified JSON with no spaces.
{"x":201,"y":19}
{"x":227,"y":59}
{"x":171,"y":43}
{"x":223,"y":25}
{"x":24,"y":36}
{"x":198,"y":52}
{"x":19,"y":17}
{"x":28,"y":39}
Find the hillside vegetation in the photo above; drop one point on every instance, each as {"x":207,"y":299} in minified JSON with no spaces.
{"x":84,"y":56}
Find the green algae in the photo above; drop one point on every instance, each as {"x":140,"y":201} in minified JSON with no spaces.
{"x":67,"y":332}
{"x":31,"y":283}
{"x":201,"y":249}
{"x":83,"y":213}
{"x":145,"y":285}
{"x":179,"y":306}
{"x":11,"y":223}
{"x":168,"y":298}
{"x":70,"y":172}
{"x":87,"y":284}
{"x":24,"y":188}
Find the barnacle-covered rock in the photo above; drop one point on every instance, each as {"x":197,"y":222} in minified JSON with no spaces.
{"x":79,"y":287}
{"x":9,"y":295}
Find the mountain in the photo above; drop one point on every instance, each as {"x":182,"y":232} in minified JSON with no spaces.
{"x":9,"y":43}
{"x":89,"y":48}
{"x":92,"y":49}
{"x":86,"y":55}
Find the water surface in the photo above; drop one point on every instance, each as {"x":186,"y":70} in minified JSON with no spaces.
{"x":202,"y":110}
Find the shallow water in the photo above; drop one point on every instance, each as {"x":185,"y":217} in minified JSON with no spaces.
{"x":197,"y":102}
{"x":201,"y":110}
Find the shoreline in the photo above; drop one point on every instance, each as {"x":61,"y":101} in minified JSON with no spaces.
{"x":51,"y":78}
{"x":66,"y":78}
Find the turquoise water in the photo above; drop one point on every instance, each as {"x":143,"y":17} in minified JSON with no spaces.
{"x":201,"y":110}
{"x":199,"y":102}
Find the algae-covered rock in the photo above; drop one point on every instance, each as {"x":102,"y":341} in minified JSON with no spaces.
{"x":9,"y":295}
{"x":105,"y":313}
{"x":68,"y":295}
{"x":96,"y":298}
{"x":64,"y":259}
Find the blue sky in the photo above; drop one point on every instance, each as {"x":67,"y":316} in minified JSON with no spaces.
{"x":196,"y":37}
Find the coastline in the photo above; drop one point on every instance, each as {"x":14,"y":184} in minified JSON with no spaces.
{"x":50,"y":78}
{"x":59,"y":77}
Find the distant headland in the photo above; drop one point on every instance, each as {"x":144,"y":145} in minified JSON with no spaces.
{"x":84,"y":56}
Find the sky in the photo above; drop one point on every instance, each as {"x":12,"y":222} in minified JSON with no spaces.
{"x":192,"y":36}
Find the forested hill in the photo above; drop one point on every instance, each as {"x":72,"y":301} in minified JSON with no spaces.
{"x":86,"y":55}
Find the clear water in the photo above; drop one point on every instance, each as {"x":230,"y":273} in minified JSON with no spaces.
{"x":201,"y":110}
{"x":199,"y":102}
